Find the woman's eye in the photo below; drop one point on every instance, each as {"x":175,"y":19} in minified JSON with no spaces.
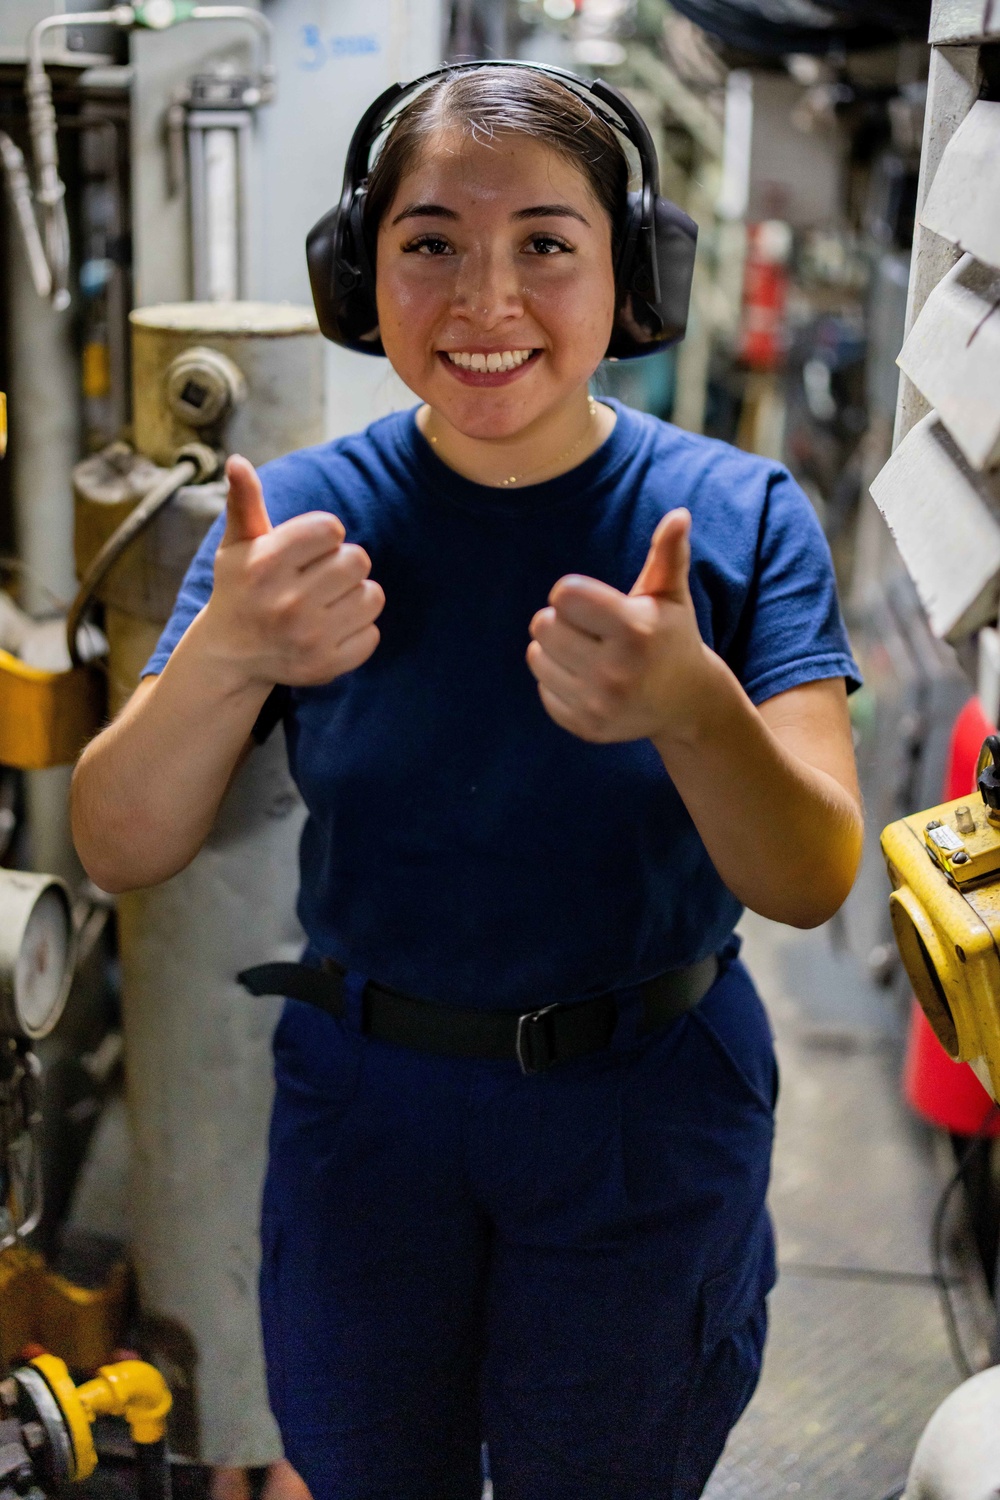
{"x":547,"y":244}
{"x":427,"y":244}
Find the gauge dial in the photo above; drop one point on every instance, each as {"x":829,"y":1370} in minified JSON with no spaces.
{"x":36,"y":952}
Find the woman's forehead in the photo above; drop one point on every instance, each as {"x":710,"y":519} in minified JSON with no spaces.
{"x":472,"y":166}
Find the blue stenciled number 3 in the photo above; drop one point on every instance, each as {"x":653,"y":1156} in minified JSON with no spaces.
{"x":313,"y":50}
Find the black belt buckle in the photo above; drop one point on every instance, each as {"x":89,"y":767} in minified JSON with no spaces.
{"x":534,"y":1043}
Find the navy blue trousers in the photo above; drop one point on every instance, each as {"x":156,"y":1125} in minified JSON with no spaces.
{"x":570,"y":1266}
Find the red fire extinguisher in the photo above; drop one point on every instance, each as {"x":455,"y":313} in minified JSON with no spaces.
{"x":765,"y":295}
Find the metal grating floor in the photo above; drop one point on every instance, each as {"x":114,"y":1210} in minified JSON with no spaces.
{"x":858,"y":1356}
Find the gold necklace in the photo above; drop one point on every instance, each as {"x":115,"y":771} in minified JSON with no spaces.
{"x":504,"y":484}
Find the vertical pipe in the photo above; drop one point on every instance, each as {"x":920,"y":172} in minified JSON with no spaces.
{"x":44,"y":410}
{"x":44,"y":413}
{"x":222,"y":236}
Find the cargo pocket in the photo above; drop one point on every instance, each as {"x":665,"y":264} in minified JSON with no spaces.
{"x":732,"y":1332}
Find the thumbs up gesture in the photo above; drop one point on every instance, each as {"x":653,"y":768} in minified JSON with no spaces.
{"x":613,"y":666}
{"x":291,"y":603}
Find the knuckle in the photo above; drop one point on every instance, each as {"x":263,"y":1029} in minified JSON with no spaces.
{"x":354,"y":561}
{"x":282,"y":610}
{"x":613,"y":678}
{"x":258,"y":568}
{"x":639,"y":635}
{"x":325,"y":524}
{"x":375,"y":595}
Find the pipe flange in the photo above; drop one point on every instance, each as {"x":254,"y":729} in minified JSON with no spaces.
{"x":208,"y":461}
{"x":203,"y":386}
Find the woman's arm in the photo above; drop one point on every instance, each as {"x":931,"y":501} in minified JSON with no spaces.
{"x":291,"y":604}
{"x":772,"y":790}
{"x":773,"y":793}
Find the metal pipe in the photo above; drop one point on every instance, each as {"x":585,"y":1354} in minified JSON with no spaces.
{"x":50,"y":191}
{"x":263,"y":28}
{"x":19,"y":187}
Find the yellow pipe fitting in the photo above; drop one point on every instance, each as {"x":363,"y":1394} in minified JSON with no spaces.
{"x":133,"y":1390}
{"x":76,"y":1416}
{"x":129,"y":1389}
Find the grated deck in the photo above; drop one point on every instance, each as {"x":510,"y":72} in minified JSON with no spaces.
{"x":858,"y":1356}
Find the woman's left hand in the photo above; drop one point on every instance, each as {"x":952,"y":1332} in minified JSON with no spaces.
{"x":613,"y":666}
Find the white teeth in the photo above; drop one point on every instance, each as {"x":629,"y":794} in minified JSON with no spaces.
{"x":507,"y":359}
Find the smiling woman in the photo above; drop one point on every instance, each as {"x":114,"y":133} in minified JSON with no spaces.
{"x":524,"y":1085}
{"x":495,"y":247}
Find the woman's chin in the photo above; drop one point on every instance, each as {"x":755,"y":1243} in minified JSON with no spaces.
{"x":488,"y":415}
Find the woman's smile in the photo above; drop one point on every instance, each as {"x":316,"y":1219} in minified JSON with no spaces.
{"x":493,"y":367}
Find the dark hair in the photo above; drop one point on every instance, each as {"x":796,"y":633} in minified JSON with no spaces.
{"x":487,"y":102}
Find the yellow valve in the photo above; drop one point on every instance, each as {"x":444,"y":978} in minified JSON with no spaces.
{"x":130,"y":1389}
{"x":133,"y":1390}
{"x":944,"y":864}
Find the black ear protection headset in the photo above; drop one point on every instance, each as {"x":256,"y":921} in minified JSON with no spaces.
{"x":655,"y":260}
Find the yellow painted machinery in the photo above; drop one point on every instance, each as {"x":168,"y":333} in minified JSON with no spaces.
{"x":944,"y":864}
{"x":46,"y":1421}
{"x":45,"y":717}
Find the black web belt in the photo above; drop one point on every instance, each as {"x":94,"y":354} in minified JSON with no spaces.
{"x":535,"y":1039}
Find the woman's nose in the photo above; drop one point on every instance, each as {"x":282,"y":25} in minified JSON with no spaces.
{"x":488,"y":288}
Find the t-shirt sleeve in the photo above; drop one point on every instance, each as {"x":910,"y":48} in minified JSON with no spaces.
{"x":792,"y":631}
{"x":194,"y":594}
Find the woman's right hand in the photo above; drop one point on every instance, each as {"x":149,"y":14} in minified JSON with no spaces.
{"x":291,"y":603}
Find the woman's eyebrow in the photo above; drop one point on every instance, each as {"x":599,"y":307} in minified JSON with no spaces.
{"x":550,"y":211}
{"x":537,"y":211}
{"x":425,"y":211}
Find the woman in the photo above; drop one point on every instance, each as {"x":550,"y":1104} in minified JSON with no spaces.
{"x":603,"y":707}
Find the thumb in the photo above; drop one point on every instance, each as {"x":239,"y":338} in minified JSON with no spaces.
{"x":246,"y":513}
{"x":665,"y":571}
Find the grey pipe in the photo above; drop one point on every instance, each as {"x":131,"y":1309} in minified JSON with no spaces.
{"x":50,"y":190}
{"x":958,"y":1455}
{"x":19,"y":186}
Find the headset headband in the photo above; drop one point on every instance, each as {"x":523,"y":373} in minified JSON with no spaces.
{"x":612,"y":107}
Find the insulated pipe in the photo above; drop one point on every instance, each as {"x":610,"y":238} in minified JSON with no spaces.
{"x":958,"y":1456}
{"x":44,"y":397}
{"x":19,"y":186}
{"x":197,"y":1046}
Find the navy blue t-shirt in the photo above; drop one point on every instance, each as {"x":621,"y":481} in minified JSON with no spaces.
{"x":460,"y":845}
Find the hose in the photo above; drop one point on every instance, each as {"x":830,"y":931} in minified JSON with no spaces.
{"x":152,"y":1470}
{"x":196,"y":462}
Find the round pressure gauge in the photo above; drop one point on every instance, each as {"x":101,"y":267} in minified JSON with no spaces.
{"x":36,"y":952}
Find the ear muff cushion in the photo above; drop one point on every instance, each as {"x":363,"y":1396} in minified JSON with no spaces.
{"x":342,"y":280}
{"x":676,"y":245}
{"x":654,"y":281}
